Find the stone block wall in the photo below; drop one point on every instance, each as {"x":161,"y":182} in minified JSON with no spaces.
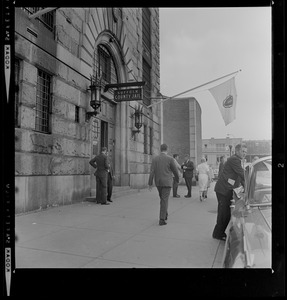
{"x":52,"y":168}
{"x":56,"y":164}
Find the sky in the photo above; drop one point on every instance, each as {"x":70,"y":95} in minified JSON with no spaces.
{"x":198,"y":45}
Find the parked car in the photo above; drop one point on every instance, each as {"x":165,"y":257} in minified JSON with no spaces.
{"x":248,"y":242}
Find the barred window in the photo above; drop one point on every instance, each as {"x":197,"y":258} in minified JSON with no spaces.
{"x":43,"y":99}
{"x":47,"y":19}
{"x":106,"y":66}
{"x":77,"y":114}
{"x":150,"y":140}
{"x":147,"y":79}
{"x":145,"y":140}
{"x":17,"y":83}
{"x":146,"y":29}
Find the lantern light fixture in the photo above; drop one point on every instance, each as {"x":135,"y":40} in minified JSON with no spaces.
{"x":138,"y":119}
{"x":96,"y":101}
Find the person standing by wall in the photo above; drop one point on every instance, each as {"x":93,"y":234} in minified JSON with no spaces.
{"x":100,"y":163}
{"x":231,"y":177}
{"x":188,"y":168}
{"x":162,"y":168}
{"x":175,"y":183}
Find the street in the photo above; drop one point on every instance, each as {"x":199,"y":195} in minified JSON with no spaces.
{"x":124,"y":234}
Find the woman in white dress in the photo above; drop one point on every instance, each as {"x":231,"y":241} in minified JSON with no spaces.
{"x":203,"y":178}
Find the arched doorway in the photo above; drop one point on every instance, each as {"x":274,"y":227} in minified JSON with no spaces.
{"x":109,"y":127}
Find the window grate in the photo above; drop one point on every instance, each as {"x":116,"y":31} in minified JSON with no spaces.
{"x":47,"y":19}
{"x":105,"y":66}
{"x":17,"y":82}
{"x":145,"y":140}
{"x":147,"y":87}
{"x":146,"y":29}
{"x":43,"y":98}
{"x":77,"y":114}
{"x":150,"y":140}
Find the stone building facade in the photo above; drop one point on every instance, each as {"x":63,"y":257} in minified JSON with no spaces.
{"x":182,"y":130}
{"x":56,"y":53}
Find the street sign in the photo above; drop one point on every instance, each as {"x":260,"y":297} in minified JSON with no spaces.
{"x":128,"y":95}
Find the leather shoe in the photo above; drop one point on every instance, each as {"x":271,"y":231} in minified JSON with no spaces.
{"x":106,"y":203}
{"x":186,"y":196}
{"x":110,"y":200}
{"x":162,"y":222}
{"x":177,"y":196}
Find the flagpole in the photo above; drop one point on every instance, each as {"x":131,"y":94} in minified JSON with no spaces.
{"x":192,"y":89}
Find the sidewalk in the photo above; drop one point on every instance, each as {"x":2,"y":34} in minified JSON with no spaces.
{"x":124,"y":234}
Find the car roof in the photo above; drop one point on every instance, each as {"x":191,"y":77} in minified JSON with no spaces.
{"x":261,"y":159}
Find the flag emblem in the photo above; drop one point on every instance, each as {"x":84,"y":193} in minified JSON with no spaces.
{"x":228,"y":101}
{"x":226,"y":97}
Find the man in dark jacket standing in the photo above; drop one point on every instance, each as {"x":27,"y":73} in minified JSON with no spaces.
{"x":100,"y":163}
{"x":162,"y":168}
{"x":230,"y":178}
{"x":221,"y":164}
{"x":188,"y":168}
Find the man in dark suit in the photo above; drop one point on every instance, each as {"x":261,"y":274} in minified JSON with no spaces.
{"x":188,"y":168}
{"x":221,"y":164}
{"x":100,"y":163}
{"x":110,"y":181}
{"x":175,"y":184}
{"x":162,"y":168}
{"x":231,"y":177}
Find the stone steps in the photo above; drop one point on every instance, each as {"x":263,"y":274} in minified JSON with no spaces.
{"x":118,"y":191}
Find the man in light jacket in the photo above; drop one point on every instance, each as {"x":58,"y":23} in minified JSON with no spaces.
{"x":162,"y":170}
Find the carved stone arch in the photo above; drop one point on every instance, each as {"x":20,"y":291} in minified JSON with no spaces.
{"x":108,"y":39}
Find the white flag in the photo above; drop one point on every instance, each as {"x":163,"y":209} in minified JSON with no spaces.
{"x":225,"y":97}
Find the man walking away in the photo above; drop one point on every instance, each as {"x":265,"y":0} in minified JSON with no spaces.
{"x":230,"y":178}
{"x":162,"y":168}
{"x":100,"y":163}
{"x":188,"y":167}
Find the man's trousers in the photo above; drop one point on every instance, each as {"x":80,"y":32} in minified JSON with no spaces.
{"x":164,"y":192}
{"x":223,"y":214}
{"x":188,"y":182}
{"x":110,"y":187}
{"x":101,"y":188}
{"x":174,"y":187}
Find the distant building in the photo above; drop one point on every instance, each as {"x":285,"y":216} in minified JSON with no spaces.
{"x":56,"y":52}
{"x":213,"y":148}
{"x":182,"y":128}
{"x":258,"y":148}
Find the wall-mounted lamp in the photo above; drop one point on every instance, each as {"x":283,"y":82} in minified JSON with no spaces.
{"x":138,"y":116}
{"x":96,"y":101}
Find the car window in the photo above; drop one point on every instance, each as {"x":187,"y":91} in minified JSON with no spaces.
{"x":261,"y":187}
